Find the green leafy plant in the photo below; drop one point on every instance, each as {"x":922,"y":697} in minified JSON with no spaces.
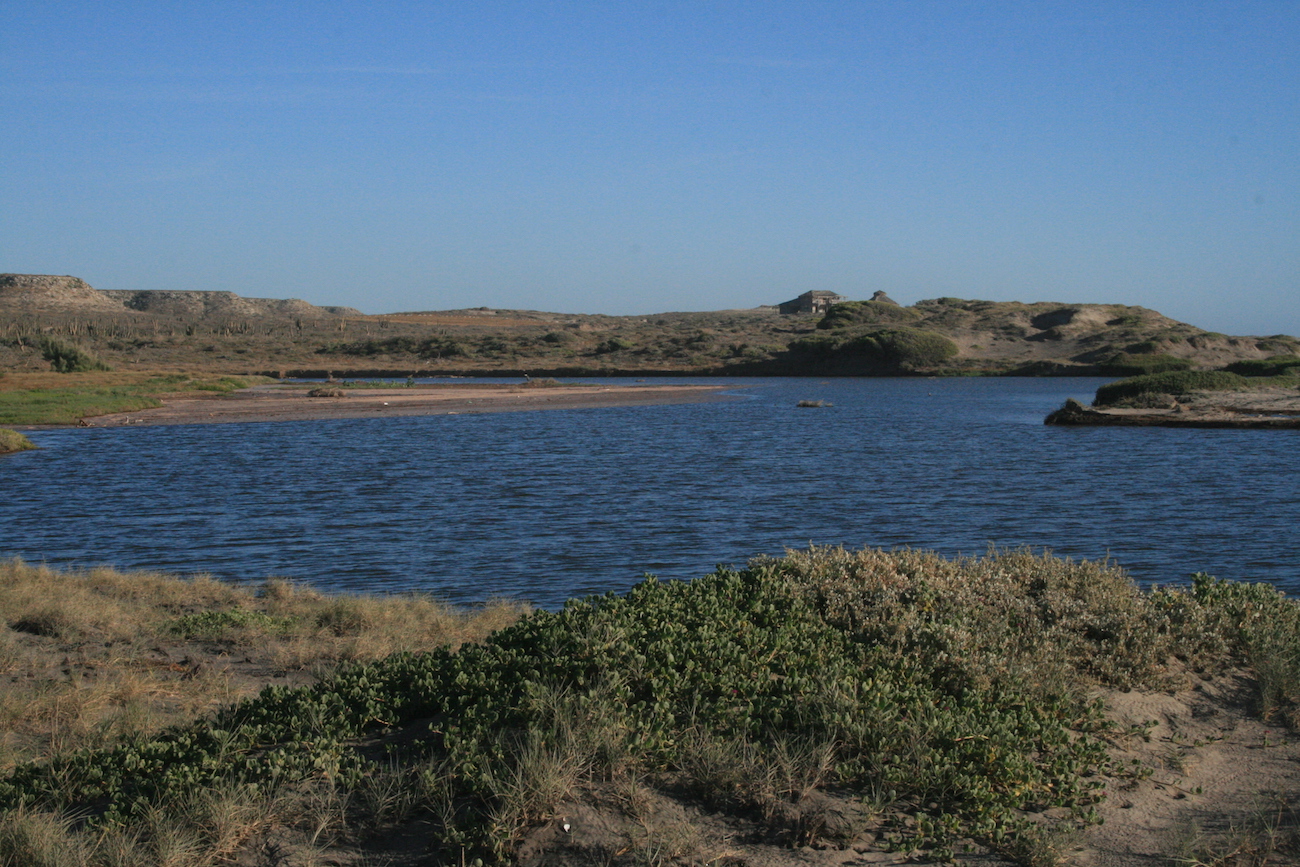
{"x":947,"y":697}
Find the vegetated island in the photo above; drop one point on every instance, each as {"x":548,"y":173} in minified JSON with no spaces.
{"x":1251,"y":395}
{"x":823,"y":708}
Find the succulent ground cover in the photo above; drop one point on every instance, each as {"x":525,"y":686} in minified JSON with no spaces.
{"x":923,"y":704}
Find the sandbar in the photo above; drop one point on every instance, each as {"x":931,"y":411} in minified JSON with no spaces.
{"x":279,"y":402}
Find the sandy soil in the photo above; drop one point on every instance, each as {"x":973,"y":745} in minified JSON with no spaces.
{"x":1215,"y":787}
{"x":1226,"y":783}
{"x":292,"y":403}
{"x":1266,"y":408}
{"x":1223,"y":788}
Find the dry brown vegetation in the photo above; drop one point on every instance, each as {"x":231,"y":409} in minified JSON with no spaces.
{"x":222,"y":331}
{"x":12,"y":441}
{"x":92,"y":657}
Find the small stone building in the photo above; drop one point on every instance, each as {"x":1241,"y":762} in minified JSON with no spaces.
{"x":816,"y":301}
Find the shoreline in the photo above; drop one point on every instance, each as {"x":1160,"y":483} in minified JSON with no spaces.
{"x":1272,"y":409}
{"x":274,"y":403}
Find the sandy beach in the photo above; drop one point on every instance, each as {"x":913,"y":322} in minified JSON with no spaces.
{"x":294,"y":403}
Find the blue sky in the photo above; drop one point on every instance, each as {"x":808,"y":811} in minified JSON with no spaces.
{"x":642,"y":157}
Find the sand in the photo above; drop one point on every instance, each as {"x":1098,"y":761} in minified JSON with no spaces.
{"x":293,"y":402}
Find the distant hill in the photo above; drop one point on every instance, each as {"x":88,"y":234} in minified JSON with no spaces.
{"x":48,"y":293}
{"x":942,"y":336}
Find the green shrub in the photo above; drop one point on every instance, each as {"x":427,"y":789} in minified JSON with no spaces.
{"x":224,"y":384}
{"x":430,"y":347}
{"x":1277,"y":365}
{"x":1261,"y":624}
{"x":849,"y":313}
{"x":68,"y":358}
{"x":1127,"y":364}
{"x":613,"y":344}
{"x":884,"y":350}
{"x":1175,"y":383}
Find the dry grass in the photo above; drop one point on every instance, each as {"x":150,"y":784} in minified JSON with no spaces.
{"x":820,"y":697}
{"x":12,"y":441}
{"x":113,"y":655}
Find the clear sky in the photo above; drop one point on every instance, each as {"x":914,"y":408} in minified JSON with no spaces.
{"x":636,"y":157}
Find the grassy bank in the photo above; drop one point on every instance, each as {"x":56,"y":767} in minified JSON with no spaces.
{"x":922,"y":703}
{"x":99,"y":657}
{"x":58,"y":398}
{"x":1160,"y":389}
{"x":12,"y":441}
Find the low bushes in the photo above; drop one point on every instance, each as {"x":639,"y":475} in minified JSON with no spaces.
{"x":1278,"y":365}
{"x":947,"y":694}
{"x":877,"y":351}
{"x":69,"y":358}
{"x":1127,"y":364}
{"x":1173,"y":383}
{"x":850,"y":313}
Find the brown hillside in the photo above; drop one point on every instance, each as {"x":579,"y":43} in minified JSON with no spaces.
{"x":223,"y":331}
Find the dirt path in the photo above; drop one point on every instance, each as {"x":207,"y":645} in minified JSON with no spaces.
{"x":293,"y":403}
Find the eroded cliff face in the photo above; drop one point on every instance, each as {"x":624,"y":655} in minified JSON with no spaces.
{"x":46,"y":292}
{"x":62,"y":294}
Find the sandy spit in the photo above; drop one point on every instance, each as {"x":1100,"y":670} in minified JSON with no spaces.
{"x":293,"y":403}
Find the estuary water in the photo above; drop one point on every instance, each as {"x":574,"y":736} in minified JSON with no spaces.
{"x":545,"y":506}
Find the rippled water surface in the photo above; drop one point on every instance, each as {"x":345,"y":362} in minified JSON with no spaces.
{"x":550,"y":505}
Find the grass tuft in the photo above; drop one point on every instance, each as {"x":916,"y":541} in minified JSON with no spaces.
{"x":13,"y":441}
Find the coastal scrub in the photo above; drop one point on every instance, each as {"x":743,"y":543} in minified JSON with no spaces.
{"x":1133,"y":390}
{"x":929,"y":703}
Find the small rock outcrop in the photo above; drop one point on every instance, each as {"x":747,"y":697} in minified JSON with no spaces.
{"x":1074,"y":412}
